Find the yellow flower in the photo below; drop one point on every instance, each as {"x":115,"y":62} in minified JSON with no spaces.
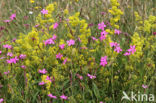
{"x":66,"y":11}
{"x":32,"y":1}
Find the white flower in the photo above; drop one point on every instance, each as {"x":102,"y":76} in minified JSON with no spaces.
{"x":30,"y":12}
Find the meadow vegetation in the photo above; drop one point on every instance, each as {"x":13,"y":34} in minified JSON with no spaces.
{"x":76,"y":51}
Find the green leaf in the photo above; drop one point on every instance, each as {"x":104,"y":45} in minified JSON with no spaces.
{"x":96,"y":91}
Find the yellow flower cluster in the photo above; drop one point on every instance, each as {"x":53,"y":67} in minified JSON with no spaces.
{"x":69,"y":54}
{"x":48,"y":82}
{"x":138,"y":42}
{"x":48,"y":18}
{"x":78,"y":26}
{"x":116,"y":13}
{"x":32,"y":1}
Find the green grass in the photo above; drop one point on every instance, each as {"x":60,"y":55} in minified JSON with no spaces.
{"x":105,"y":88}
{"x":90,"y":10}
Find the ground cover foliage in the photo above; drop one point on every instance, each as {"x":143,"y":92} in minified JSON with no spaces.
{"x":76,"y":51}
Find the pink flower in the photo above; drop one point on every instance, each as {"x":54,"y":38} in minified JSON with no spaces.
{"x":127,"y":53}
{"x":115,"y":44}
{"x":12,"y":60}
{"x":6,"y":21}
{"x":91,"y":76}
{"x":62,"y":46}
{"x":22,"y":56}
{"x":131,"y":50}
{"x":101,"y":102}
{"x":103,"y":13}
{"x":9,"y":61}
{"x":65,"y":60}
{"x":116,"y":31}
{"x":79,"y":76}
{"x":37,"y":25}
{"x":44,"y":11}
{"x":2,"y":57}
{"x":59,"y":55}
{"x":48,"y":78}
{"x":41,"y":83}
{"x":49,"y":41}
{"x":103,"y":35}
{"x":144,"y":86}
{"x":13,"y":16}
{"x":16,"y":59}
{"x":63,"y":97}
{"x":52,"y":96}
{"x":1,"y":100}
{"x":103,"y":61}
{"x":54,"y":37}
{"x":70,"y":42}
{"x":101,"y":26}
{"x":118,"y":49}
{"x":23,"y":67}
{"x":43,"y":71}
{"x":7,"y":72}
{"x":55,"y":25}
{"x":7,"y":46}
{"x":90,"y":25}
{"x":94,"y":38}
{"x":0,"y":52}
{"x":10,"y":54}
{"x":79,"y":40}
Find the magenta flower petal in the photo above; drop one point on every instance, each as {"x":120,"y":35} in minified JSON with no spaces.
{"x":65,"y":60}
{"x":62,"y":46}
{"x":63,"y":97}
{"x":13,"y":16}
{"x":52,"y":96}
{"x":70,"y":42}
{"x":55,"y":25}
{"x":118,"y":49}
{"x":101,"y":26}
{"x":116,"y":31}
{"x":103,"y":61}
{"x":49,"y":41}
{"x":94,"y":38}
{"x":44,"y":11}
{"x":10,"y":54}
{"x":7,"y":72}
{"x":91,"y":76}
{"x":54,"y":37}
{"x":43,"y":71}
{"x":130,"y":51}
{"x":12,"y":60}
{"x":48,"y":78}
{"x":1,"y":100}
{"x":22,"y":56}
{"x":6,"y":21}
{"x":59,"y":56}
{"x":23,"y":67}
{"x":41,"y":83}
{"x":79,"y":76}
{"x":7,"y":46}
{"x":144,"y":86}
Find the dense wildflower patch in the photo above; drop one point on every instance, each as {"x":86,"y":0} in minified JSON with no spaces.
{"x":61,"y":60}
